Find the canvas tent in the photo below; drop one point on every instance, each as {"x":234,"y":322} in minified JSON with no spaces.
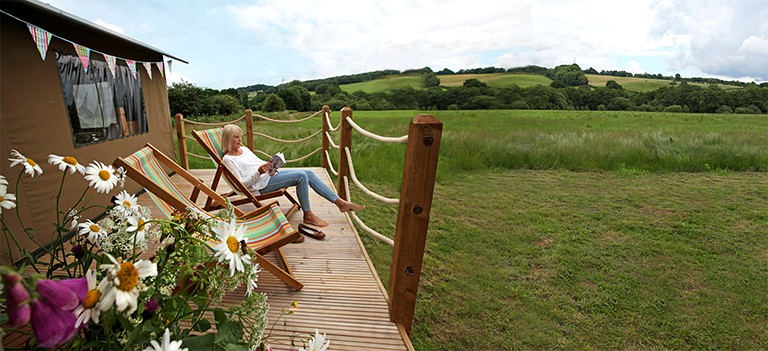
{"x":71,"y":88}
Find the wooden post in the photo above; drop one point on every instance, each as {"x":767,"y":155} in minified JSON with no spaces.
{"x":345,"y":141}
{"x":182,"y":140}
{"x":249,"y":129}
{"x":326,"y":129}
{"x":413,"y":216}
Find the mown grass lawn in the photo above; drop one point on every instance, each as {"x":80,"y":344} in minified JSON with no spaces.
{"x":564,"y":260}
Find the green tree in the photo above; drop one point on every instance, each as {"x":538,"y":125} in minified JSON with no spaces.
{"x":431,"y":80}
{"x":474,"y":83}
{"x":612,"y":84}
{"x":185,"y":98}
{"x":273,"y":103}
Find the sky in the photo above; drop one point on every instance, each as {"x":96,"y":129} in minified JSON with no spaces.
{"x":236,"y":43}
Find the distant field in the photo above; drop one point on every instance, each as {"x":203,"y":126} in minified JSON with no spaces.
{"x":640,"y":84}
{"x":506,"y":79}
{"x":384,"y":83}
{"x":495,"y":79}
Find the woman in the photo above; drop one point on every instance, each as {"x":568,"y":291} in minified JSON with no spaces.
{"x":252,"y":172}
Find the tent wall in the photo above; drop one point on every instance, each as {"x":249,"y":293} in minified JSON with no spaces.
{"x":34,"y":121}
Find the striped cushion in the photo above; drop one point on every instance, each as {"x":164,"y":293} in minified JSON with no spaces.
{"x":259,"y":231}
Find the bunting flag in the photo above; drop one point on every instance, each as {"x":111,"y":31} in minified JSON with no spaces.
{"x":41,"y":38}
{"x":85,"y":55}
{"x":148,"y":68}
{"x":170,"y":68}
{"x":111,"y":63}
{"x":160,"y":67}
{"x":132,"y":67}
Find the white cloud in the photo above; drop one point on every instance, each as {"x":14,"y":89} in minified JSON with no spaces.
{"x":112,"y":27}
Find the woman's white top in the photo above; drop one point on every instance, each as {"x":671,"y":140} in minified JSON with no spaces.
{"x":246,"y":168}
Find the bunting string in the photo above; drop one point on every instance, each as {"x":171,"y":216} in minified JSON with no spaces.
{"x":42,"y":39}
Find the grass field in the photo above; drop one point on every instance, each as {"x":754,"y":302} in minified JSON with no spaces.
{"x":574,"y":230}
{"x":506,"y":79}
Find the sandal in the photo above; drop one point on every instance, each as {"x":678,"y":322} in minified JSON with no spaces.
{"x":299,"y":239}
{"x":311,"y":232}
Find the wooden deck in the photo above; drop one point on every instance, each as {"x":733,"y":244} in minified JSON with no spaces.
{"x":342,"y":295}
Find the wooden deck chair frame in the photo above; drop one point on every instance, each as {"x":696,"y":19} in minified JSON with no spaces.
{"x":174,"y":199}
{"x":206,"y":139}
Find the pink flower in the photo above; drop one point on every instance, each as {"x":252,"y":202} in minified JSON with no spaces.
{"x":17,"y":300}
{"x":52,"y":319}
{"x":52,"y":325}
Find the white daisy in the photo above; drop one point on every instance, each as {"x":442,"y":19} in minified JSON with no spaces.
{"x":75,"y":218}
{"x":89,"y":308}
{"x":93,"y":230}
{"x":101,"y":176}
{"x":122,"y":284}
{"x":167,"y":345}
{"x":7,"y":201}
{"x":3,"y":183}
{"x":30,"y":166}
{"x":66,"y":163}
{"x":138,"y":224}
{"x":121,"y":174}
{"x":126,"y":203}
{"x":316,"y":343}
{"x":229,"y":246}
{"x":252,"y":281}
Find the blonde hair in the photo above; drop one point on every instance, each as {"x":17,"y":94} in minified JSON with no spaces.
{"x":230,"y":130}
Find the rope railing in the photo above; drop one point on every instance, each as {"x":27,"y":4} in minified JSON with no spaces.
{"x":330,"y":164}
{"x":286,"y":121}
{"x":362,"y":131}
{"x":360,"y":223}
{"x":330,"y":141}
{"x":214,"y":124}
{"x":327,"y":116}
{"x":260,"y":152}
{"x":362,"y":187}
{"x":288,"y":141}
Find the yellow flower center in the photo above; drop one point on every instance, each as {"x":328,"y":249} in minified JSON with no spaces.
{"x":104,"y":175}
{"x":140,"y":225}
{"x":233,"y":244}
{"x":70,"y":160}
{"x":92,"y":298}
{"x":94,"y":228}
{"x":2,"y":198}
{"x":128,"y":276}
{"x":127,"y":203}
{"x":31,"y":162}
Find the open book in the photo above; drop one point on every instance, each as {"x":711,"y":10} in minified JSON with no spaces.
{"x":277,"y":161}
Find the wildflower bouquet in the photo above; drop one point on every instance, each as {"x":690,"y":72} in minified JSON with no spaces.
{"x":128,"y":280}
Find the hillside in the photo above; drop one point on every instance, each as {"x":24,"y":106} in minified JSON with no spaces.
{"x":505,"y":79}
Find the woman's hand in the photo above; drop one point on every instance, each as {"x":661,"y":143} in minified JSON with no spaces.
{"x":263,"y":168}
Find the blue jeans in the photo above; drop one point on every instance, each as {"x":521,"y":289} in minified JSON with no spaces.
{"x":303,"y":180}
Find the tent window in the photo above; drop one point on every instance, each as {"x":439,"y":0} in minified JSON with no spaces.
{"x":101,"y":106}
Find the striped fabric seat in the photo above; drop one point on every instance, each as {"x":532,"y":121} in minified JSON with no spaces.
{"x":260,"y":231}
{"x":266,"y":228}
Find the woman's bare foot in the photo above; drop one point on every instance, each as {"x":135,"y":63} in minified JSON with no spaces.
{"x":311,"y":219}
{"x":345,"y":205}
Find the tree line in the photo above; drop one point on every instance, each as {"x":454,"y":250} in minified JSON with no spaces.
{"x":568,"y":90}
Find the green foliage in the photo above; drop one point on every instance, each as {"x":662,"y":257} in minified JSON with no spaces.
{"x":273,"y":103}
{"x":431,"y":80}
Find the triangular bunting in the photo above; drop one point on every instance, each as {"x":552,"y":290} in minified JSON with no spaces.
{"x":160,"y":67}
{"x":41,"y":38}
{"x":148,"y":67}
{"x":132,"y":67}
{"x":111,"y":63}
{"x":170,"y":68}
{"x":85,"y":55}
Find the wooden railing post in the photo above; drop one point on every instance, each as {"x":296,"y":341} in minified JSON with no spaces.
{"x":345,"y":141}
{"x":326,"y":129}
{"x":413,"y":217}
{"x":249,"y":129}
{"x":182,"y":140}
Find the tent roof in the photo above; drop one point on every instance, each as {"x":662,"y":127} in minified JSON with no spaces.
{"x":66,"y":25}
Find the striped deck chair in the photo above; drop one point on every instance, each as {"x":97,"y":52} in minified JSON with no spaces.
{"x":267,"y":229}
{"x":210,"y":140}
